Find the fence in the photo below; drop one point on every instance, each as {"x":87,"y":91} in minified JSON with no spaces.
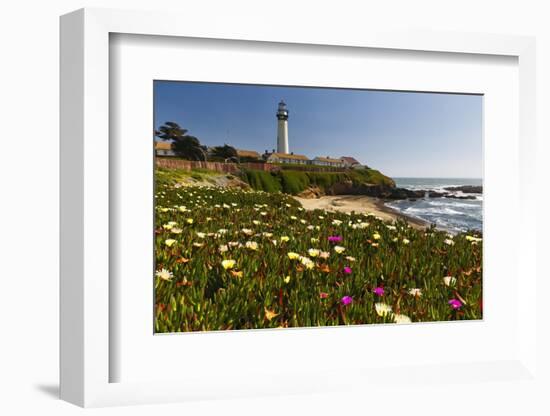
{"x":171,"y":163}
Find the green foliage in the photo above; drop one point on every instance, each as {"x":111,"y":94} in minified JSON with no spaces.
{"x":262,"y":181}
{"x":265,"y":288}
{"x":183,"y":145}
{"x":325,"y":180}
{"x":223,"y":153}
{"x":293,"y":182}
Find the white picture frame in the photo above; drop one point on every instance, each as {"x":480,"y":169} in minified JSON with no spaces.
{"x":86,"y":356}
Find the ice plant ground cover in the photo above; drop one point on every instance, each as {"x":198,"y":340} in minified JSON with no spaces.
{"x":235,"y":259}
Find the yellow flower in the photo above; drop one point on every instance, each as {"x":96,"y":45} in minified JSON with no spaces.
{"x":313,"y":252}
{"x":256,"y":222}
{"x":376,"y":236}
{"x":168,"y":226}
{"x":287,"y":279}
{"x":293,"y":256}
{"x":293,"y":217}
{"x":228,"y":264}
{"x":339,"y":249}
{"x":405,"y":241}
{"x":189,"y":221}
{"x":252,"y":245}
{"x":285,"y":238}
{"x":382,"y":309}
{"x":170,"y":242}
{"x":236,"y":273}
{"x":269,"y":315}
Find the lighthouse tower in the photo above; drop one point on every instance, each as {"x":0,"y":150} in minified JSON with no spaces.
{"x":282,"y":128}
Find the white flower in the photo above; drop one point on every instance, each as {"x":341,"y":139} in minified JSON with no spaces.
{"x":176,"y":230}
{"x":401,"y":319}
{"x":449,"y":242}
{"x":339,"y":249}
{"x":201,"y":235}
{"x":336,"y":222}
{"x":415,"y":292}
{"x":247,"y":231}
{"x":223,"y":248}
{"x":164,"y":274}
{"x":449,"y":280}
{"x":306,"y":261}
{"x":382,"y":309}
{"x":406,"y":241}
{"x":313,"y":252}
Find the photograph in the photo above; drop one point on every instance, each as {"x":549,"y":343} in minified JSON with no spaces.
{"x":294,"y":207}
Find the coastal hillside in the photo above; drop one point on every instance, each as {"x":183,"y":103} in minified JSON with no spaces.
{"x":314,"y":184}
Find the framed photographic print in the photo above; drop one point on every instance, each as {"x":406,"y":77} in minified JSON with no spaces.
{"x":308,"y":232}
{"x":291,"y":209}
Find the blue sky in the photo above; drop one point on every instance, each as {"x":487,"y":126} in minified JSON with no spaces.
{"x":403,"y":134}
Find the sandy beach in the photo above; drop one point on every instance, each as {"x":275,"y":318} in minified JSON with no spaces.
{"x":358,"y":203}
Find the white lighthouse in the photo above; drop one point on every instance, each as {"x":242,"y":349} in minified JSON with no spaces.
{"x":282,"y":128}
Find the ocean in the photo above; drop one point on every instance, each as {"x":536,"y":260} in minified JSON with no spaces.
{"x":450,"y":214}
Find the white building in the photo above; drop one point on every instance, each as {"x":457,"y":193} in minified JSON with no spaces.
{"x":328,"y":161}
{"x":287,"y":158}
{"x":164,"y":149}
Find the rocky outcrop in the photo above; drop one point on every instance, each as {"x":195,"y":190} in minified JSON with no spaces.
{"x":467,"y":189}
{"x":312,"y":192}
{"x":382,"y":191}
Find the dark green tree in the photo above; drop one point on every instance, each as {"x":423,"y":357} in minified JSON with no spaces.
{"x":224,"y":153}
{"x":183,"y":144}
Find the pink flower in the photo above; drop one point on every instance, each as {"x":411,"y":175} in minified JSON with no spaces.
{"x":335,"y":239}
{"x":323,"y":295}
{"x":346,"y":300}
{"x":347,"y":270}
{"x":455,"y":304}
{"x":378,"y":291}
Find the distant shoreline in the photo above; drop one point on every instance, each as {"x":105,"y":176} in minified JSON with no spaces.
{"x":359,"y":203}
